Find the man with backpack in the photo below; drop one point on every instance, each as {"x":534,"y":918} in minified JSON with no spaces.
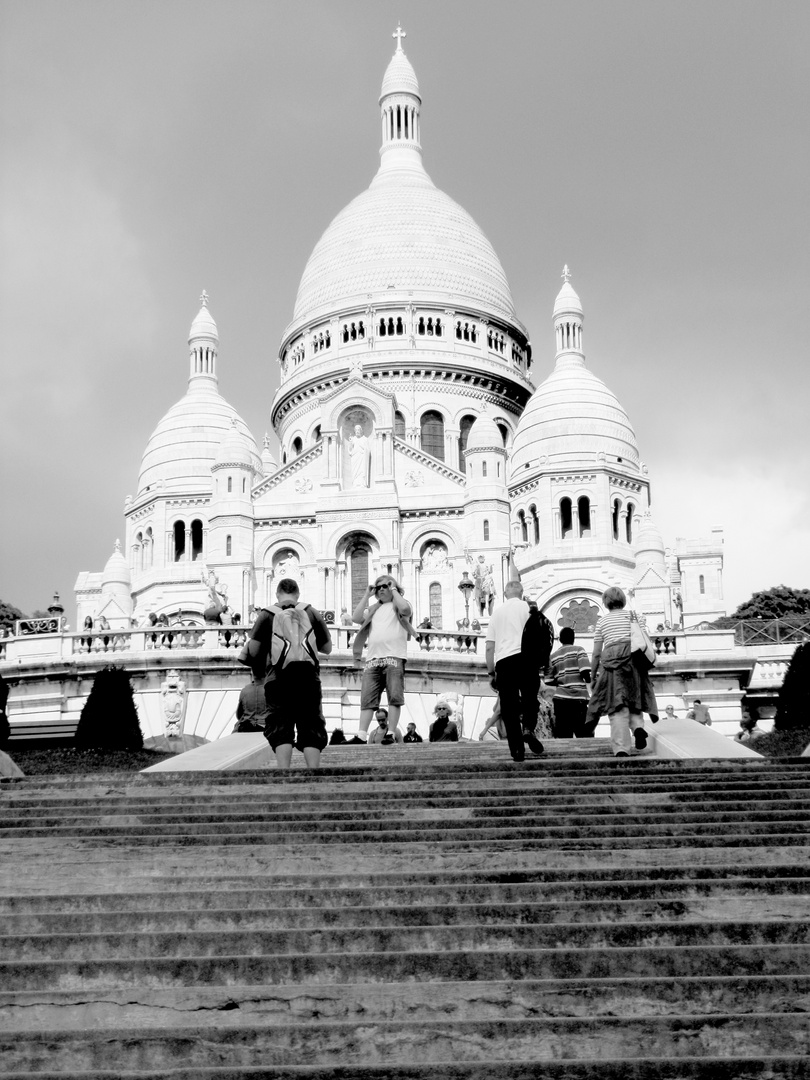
{"x":284,"y":642}
{"x":517,"y":648}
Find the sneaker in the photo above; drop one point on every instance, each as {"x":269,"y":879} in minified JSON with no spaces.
{"x":533,"y":744}
{"x":640,"y":736}
{"x":356,"y":741}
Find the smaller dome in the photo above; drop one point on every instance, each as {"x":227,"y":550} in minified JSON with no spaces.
{"x":567,"y":302}
{"x":649,"y":547}
{"x":269,"y":463}
{"x":484,"y":435}
{"x":399,"y":78}
{"x":116,"y":571}
{"x":234,"y":451}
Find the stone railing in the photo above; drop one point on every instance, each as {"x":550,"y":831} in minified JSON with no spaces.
{"x":666,"y":644}
{"x":428,"y":641}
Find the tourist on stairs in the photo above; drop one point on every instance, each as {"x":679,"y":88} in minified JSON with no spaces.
{"x":621,"y":688}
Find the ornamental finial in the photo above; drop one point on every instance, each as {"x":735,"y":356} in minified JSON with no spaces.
{"x":566,"y":274}
{"x":204,"y":298}
{"x":399,"y":34}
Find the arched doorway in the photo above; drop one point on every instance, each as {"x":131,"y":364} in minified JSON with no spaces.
{"x":358,"y":557}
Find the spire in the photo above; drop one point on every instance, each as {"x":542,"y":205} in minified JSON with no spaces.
{"x":203,"y":341}
{"x":568,"y":319}
{"x":400,"y":105}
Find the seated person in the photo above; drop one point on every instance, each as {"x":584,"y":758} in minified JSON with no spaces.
{"x":382,"y":734}
{"x":252,"y":711}
{"x":412,"y":735}
{"x":443,"y":729}
{"x":749,"y":732}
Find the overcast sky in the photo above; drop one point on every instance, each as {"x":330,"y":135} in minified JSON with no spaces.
{"x":154,"y":149}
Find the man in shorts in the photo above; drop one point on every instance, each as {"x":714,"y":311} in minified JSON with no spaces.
{"x":285,"y":641}
{"x":386,"y":625}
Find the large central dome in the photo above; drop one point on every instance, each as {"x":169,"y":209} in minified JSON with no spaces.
{"x":402,"y":234}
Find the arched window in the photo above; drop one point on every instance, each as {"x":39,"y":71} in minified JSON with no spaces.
{"x":137,"y":553}
{"x":486,"y":529}
{"x":566,"y":523}
{"x":228,"y":546}
{"x":524,"y":527}
{"x":435,"y":601}
{"x":179,"y":540}
{"x":230,"y":483}
{"x":399,"y":425}
{"x":196,"y":539}
{"x":316,"y":434}
{"x":244,"y":485}
{"x":297,"y":446}
{"x":535,"y":523}
{"x":629,"y":523}
{"x":504,"y":430}
{"x":584,"y":515}
{"x":148,"y":549}
{"x":483,"y":468}
{"x":432,"y":427}
{"x":464,"y":433}
{"x":616,"y":509}
{"x":359,"y":563}
{"x":702,"y":584}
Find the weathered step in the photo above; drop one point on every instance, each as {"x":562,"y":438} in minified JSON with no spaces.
{"x":774,"y":1067}
{"x":398,"y":1042}
{"x":210,"y":918}
{"x":350,"y":890}
{"x":378,"y":1002}
{"x":425,"y":966}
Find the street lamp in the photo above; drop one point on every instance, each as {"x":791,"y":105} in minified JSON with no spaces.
{"x":465,"y":588}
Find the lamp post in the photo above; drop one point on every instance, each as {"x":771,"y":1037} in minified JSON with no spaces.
{"x":465,"y":588}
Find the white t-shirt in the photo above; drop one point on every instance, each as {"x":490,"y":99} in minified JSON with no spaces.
{"x":387,"y":636}
{"x":506,"y":627}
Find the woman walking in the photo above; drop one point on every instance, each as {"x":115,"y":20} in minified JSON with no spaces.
{"x":621,"y":688}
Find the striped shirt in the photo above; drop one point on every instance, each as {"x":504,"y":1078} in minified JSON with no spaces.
{"x":614,"y":627}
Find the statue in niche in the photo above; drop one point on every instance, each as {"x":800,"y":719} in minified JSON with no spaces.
{"x":484,"y":578}
{"x":173,"y":701}
{"x":434,"y":557}
{"x":359,"y":457}
{"x":287,"y":566}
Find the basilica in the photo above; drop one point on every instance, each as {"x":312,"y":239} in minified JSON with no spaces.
{"x":412,"y":439}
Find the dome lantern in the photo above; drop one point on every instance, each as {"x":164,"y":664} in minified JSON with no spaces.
{"x":568,"y":318}
{"x":400,"y":104}
{"x":203,"y":341}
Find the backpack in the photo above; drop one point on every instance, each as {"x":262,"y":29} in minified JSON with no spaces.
{"x":293,"y":637}
{"x":537,"y":639}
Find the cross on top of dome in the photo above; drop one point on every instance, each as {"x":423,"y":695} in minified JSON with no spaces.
{"x":566,"y":274}
{"x":204,"y":298}
{"x":399,"y":34}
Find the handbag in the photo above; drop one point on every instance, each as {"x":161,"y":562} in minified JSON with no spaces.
{"x":641,"y":647}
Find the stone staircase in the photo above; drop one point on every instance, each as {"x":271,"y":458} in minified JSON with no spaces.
{"x":411,"y":912}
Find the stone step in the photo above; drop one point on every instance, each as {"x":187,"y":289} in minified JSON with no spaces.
{"x":233,"y":1006}
{"x":601,"y":812}
{"x":685,"y":1067}
{"x":547,"y":887}
{"x":427,"y":1041}
{"x":530,"y":912}
{"x":614,"y":961}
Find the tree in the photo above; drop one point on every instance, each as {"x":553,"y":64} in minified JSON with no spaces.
{"x":109,"y":719}
{"x":780,"y":602}
{"x":9,"y":615}
{"x":793,"y":710}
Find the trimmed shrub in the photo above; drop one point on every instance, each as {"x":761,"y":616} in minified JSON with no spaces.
{"x":109,"y":719}
{"x":793,"y":709}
